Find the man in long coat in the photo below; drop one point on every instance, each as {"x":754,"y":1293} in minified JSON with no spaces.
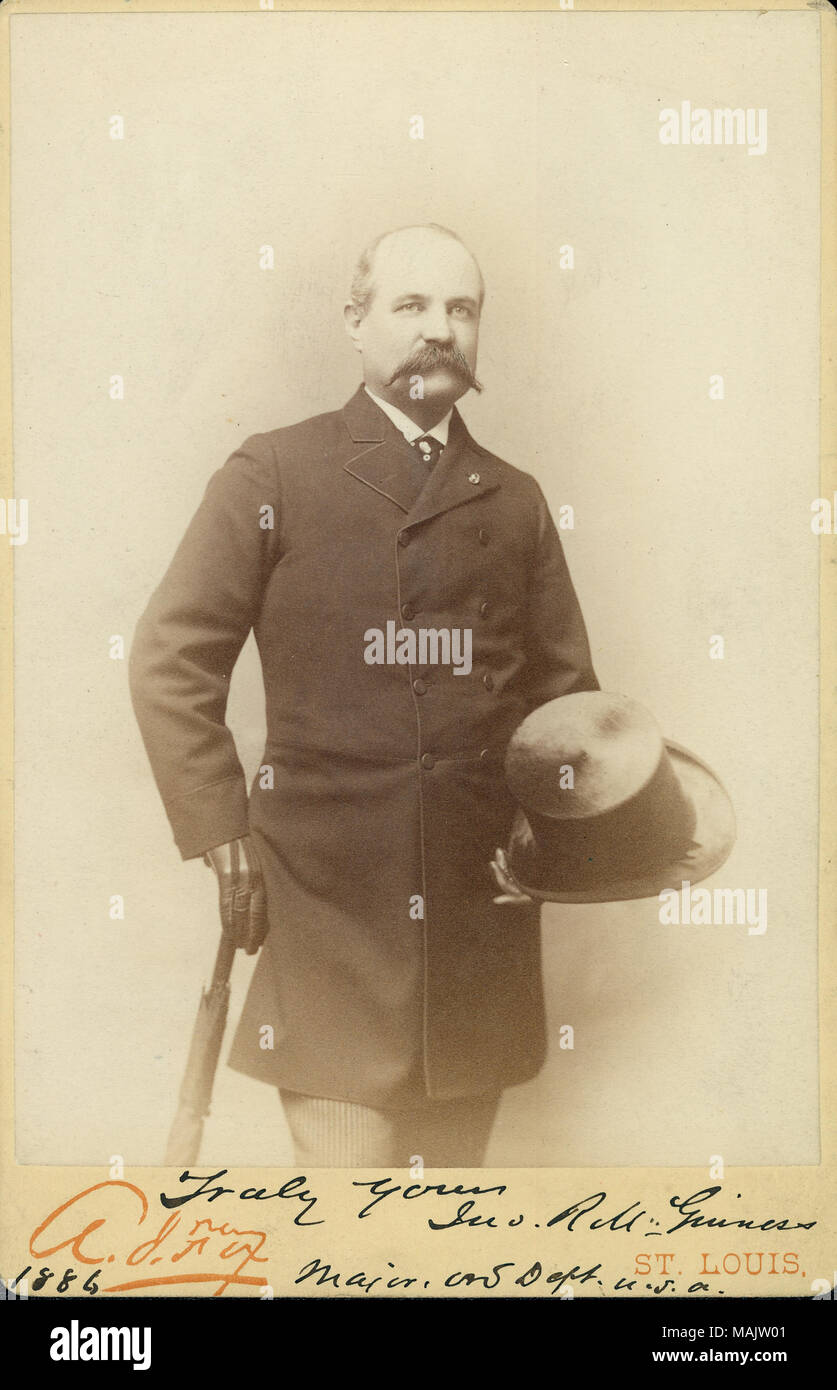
{"x":402,"y":997}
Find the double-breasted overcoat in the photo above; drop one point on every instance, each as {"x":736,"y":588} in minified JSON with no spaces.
{"x":389,"y":976}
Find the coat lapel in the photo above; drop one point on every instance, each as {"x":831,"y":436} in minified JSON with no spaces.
{"x":382,"y":459}
{"x":380,"y":456}
{"x":464,"y":472}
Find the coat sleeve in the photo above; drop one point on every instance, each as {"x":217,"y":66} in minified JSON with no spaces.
{"x":188,"y":640}
{"x":558,"y":651}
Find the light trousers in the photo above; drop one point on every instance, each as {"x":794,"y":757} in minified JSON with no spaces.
{"x":342,"y":1134}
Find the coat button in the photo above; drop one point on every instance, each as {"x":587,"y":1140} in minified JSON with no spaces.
{"x":420,"y":687}
{"x":484,"y":607}
{"x":483,"y":537}
{"x":484,"y":754}
{"x":403,"y":538}
{"x":488,"y":682}
{"x":428,"y":762}
{"x":408,"y":612}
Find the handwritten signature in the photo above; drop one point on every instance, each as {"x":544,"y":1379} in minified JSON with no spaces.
{"x":98,"y":1226}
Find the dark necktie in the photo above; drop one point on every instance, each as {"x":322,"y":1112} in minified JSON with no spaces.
{"x":429,"y":449}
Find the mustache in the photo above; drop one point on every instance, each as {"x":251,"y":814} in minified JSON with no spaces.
{"x":434,"y":355}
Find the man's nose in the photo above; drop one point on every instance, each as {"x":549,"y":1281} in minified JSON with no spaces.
{"x":436,"y":327}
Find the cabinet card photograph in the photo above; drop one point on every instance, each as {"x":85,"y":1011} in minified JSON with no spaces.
{"x":420,"y":735}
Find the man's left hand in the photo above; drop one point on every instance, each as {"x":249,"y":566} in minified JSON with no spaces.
{"x":506,"y":881}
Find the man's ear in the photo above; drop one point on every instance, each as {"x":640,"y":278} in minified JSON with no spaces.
{"x":352,"y":320}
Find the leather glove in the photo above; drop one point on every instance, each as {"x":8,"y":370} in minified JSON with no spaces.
{"x":242,"y":893}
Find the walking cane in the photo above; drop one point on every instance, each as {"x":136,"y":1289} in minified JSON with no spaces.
{"x":196,"y":1087}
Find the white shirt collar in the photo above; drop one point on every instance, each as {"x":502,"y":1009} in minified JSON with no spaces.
{"x":410,"y":430}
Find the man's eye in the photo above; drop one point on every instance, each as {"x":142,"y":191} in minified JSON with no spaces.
{"x":412,"y":305}
{"x":462,"y":309}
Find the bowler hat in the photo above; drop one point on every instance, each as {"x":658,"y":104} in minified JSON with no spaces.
{"x":609,"y":809}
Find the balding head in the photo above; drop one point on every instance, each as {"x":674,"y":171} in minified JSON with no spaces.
{"x":412,"y":238}
{"x":414,"y":316}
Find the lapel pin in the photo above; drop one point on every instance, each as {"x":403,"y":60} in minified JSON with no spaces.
{"x":473,"y":478}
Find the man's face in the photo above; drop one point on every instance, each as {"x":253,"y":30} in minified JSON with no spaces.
{"x":422,"y":321}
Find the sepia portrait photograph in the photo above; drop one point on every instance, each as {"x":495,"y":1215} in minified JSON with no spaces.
{"x":416,"y":520}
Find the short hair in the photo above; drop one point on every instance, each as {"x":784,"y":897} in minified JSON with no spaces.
{"x":361,"y":291}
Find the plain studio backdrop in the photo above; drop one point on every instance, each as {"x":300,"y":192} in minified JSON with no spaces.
{"x":140,"y":257}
